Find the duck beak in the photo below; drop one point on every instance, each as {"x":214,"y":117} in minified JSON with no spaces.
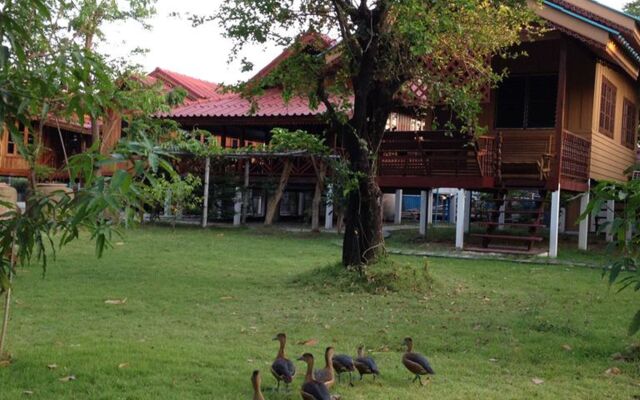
{"x":300,"y":358}
{"x":275,"y":338}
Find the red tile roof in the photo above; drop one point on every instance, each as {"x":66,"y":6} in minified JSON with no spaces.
{"x":270,"y":104}
{"x":197,"y":89}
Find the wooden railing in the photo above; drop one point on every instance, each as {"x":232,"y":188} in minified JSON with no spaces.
{"x":576,"y":156}
{"x":431,"y":153}
{"x":487,"y":155}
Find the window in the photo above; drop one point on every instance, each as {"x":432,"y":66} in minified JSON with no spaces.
{"x":629,"y":123}
{"x":607,"y":108}
{"x":527,"y":102}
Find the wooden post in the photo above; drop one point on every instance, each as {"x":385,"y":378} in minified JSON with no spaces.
{"x":460,"y":211}
{"x":274,"y":200}
{"x":583,"y":232}
{"x":245,"y":195}
{"x":398,"y":207}
{"x":301,"y":204}
{"x":205,"y":201}
{"x":560,"y":114}
{"x":555,"y":222}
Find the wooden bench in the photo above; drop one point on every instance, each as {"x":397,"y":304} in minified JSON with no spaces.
{"x":525,"y":156}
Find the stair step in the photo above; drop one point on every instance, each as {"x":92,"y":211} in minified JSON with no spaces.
{"x":503,"y":250}
{"x":508,"y":237}
{"x":514,"y":224}
{"x":513,"y":199}
{"x":512,"y":211}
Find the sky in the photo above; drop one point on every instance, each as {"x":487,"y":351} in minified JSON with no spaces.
{"x":200,"y":52}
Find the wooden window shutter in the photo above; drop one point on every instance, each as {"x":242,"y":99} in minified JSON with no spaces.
{"x":607,"y":108}
{"x":629,"y":124}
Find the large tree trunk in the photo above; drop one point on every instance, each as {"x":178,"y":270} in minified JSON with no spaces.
{"x":363,"y":241}
{"x":274,"y":201}
{"x":317,"y":196}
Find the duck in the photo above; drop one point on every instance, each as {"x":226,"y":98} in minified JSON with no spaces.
{"x":365,"y":364}
{"x":416,"y":363}
{"x":343,"y":363}
{"x":255,"y":381}
{"x":311,"y":388}
{"x":327,"y":374}
{"x":282,"y":368}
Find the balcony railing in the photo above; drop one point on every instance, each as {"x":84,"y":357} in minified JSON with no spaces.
{"x":576,"y":156}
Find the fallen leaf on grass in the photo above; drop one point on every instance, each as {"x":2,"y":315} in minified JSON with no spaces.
{"x":119,"y":243}
{"x":537,"y":381}
{"x":613,"y":371}
{"x":123,"y":365}
{"x":52,"y":366}
{"x":4,"y":363}
{"x":309,"y":342}
{"x":226,"y":298}
{"x":567,"y":347}
{"x":27,"y":392}
{"x":116,"y":301}
{"x":68,"y":378}
{"x":493,"y":359}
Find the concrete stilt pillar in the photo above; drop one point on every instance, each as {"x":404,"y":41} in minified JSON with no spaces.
{"x":453,"y":208}
{"x":205,"y":199}
{"x":467,"y":210}
{"x":583,"y":229}
{"x":237,"y":208}
{"x":424,"y":204}
{"x":501,"y":217}
{"x":555,"y":223}
{"x":397,"y":219}
{"x":430,"y":207}
{"x":611,"y":214}
{"x":460,"y":211}
{"x":328,"y":216}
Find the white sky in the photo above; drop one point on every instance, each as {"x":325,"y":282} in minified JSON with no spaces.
{"x":200,"y":52}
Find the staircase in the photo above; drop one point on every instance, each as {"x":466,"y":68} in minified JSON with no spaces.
{"x":520,"y":229}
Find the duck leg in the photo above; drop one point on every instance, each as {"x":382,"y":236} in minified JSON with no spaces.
{"x":350,"y":379}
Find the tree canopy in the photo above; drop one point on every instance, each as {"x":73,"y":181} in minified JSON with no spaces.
{"x":373,"y":57}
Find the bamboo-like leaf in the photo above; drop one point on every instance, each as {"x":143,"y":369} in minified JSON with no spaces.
{"x":635,"y":324}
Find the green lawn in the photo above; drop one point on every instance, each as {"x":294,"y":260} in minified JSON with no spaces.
{"x":203,"y":306}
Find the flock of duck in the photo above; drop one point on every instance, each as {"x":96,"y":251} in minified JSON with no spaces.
{"x":318,"y":382}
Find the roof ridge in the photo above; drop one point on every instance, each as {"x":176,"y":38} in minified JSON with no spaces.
{"x":621,"y":12}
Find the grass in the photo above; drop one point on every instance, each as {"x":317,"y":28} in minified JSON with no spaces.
{"x":203,"y":306}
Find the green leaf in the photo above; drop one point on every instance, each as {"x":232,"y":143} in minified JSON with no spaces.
{"x":635,"y":324}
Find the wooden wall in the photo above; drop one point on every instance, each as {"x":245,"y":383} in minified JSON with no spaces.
{"x":581,"y":68}
{"x":609,"y":157}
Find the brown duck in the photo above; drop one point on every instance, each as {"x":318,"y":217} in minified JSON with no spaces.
{"x":344,"y":363}
{"x":256,"y":380}
{"x":327,"y":374}
{"x":416,"y":363}
{"x":282,"y":368}
{"x":365,"y":364}
{"x":311,"y":388}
